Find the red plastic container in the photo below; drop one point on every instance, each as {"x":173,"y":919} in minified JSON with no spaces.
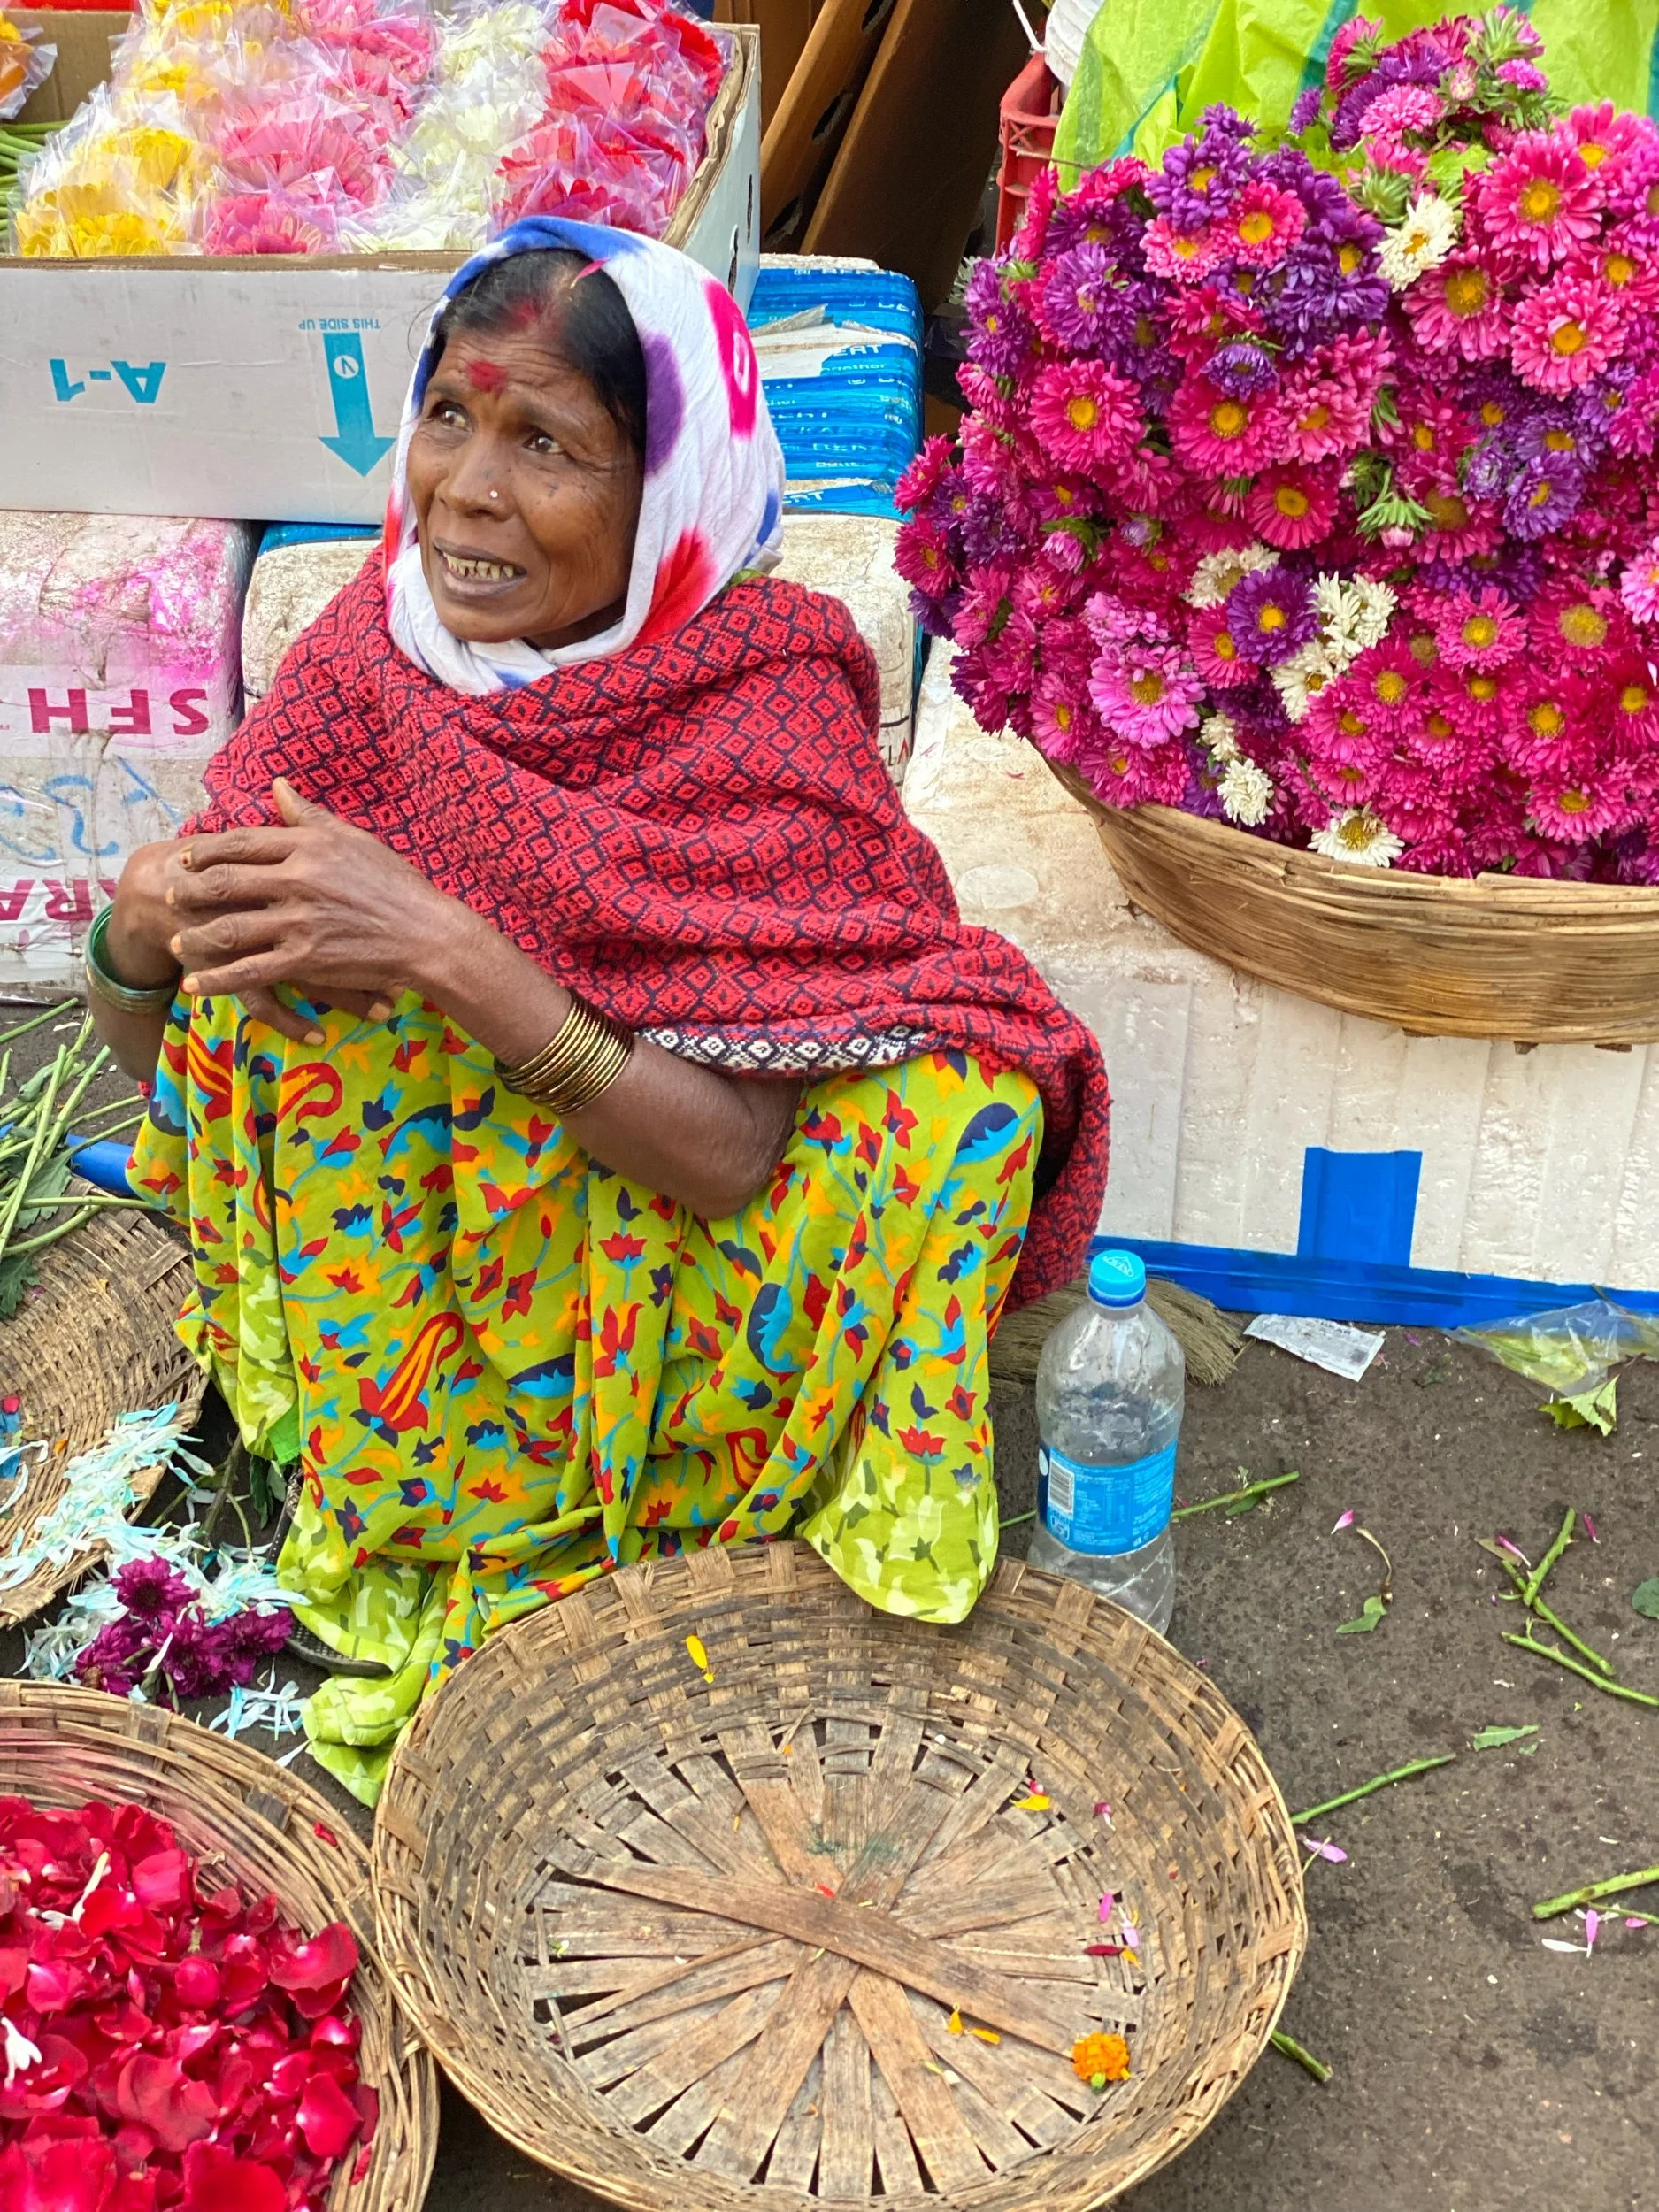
{"x":1030,"y":112}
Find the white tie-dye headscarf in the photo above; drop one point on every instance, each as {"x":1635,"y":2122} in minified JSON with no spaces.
{"x":713,"y":495}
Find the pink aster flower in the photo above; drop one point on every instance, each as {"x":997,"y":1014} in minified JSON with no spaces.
{"x":1461,"y":528}
{"x":1638,"y":586}
{"x":1583,"y":626}
{"x":1479,"y":629}
{"x":1083,"y":415}
{"x":1262,"y":225}
{"x":1572,"y":812}
{"x":1539,"y":201}
{"x":1214,"y":435}
{"x":1604,"y":136}
{"x":1064,"y":722}
{"x":1133,"y":775}
{"x":1340,"y":726}
{"x":1624,"y":262}
{"x":1186,"y":256}
{"x":1633,"y":708}
{"x":1215,"y":650}
{"x":1403,"y":107}
{"x":1543,"y":735}
{"x":1389,"y":681}
{"x":1565,"y":333}
{"x":1144,"y":694}
{"x":1459,"y":308}
{"x":1291,"y":507}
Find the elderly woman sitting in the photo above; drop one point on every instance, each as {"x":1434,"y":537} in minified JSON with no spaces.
{"x":596,"y":1131}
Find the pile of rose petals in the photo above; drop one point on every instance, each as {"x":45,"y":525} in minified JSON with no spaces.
{"x":163,"y":2043}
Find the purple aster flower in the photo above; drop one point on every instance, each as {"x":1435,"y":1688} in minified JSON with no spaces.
{"x":935,"y":616}
{"x":1199,"y":176}
{"x":1258,"y":711}
{"x":1545,"y":494}
{"x":1001,"y":336}
{"x":985,"y":533}
{"x":1225,"y":125}
{"x":1272,"y":615}
{"x":1315,"y":298}
{"x":1491,"y":466}
{"x":1304,"y":110}
{"x":1241,"y":369}
{"x":1598,"y":406}
{"x":150,"y":1588}
{"x":1518,"y":571}
{"x":1201,"y":796}
{"x":1081,"y":304}
{"x":1552,"y":433}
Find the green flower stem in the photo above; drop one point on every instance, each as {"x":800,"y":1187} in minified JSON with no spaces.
{"x":61,"y":1229}
{"x":1535,"y":1580}
{"x":1233,"y":1497}
{"x":1593,"y":1891}
{"x":1537,"y":1606}
{"x":14,"y":1202}
{"x":1291,"y":2048}
{"x":36,"y":1021}
{"x":1399,"y":1774}
{"x":1597,"y":1681}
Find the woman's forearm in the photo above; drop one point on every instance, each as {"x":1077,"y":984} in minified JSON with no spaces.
{"x":697,"y":1136}
{"x":137,"y":949}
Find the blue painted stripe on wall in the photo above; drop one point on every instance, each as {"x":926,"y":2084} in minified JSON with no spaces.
{"x":1358,"y":1206}
{"x":1334,"y":1290}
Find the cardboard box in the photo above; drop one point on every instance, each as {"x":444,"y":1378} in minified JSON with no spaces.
{"x":1268,"y":1151}
{"x":120,"y":677}
{"x":261,"y":387}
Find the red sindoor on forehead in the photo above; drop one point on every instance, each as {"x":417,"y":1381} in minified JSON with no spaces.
{"x":485,"y":376}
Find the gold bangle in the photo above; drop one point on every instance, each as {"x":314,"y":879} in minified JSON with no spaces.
{"x":577,"y":1066}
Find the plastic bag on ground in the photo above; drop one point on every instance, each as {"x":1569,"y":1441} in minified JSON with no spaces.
{"x":1572,"y":1350}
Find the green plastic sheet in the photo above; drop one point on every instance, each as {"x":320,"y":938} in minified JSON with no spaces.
{"x":1149,"y":68}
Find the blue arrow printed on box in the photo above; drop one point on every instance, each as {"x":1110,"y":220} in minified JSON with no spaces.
{"x":354,"y":442}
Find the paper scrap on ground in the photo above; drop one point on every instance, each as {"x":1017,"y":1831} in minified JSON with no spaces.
{"x":1336,"y":1346}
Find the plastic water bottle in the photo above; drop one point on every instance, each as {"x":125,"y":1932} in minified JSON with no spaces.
{"x":1111,"y":1388}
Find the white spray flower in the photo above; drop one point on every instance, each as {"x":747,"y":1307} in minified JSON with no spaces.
{"x":1245,"y":792}
{"x":1359,"y":837}
{"x":1419,"y":243}
{"x":1217,"y":573}
{"x":1220,"y":733}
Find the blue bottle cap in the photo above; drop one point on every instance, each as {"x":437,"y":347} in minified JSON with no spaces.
{"x":1116,"y":1278}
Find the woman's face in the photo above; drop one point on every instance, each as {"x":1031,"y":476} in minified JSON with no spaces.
{"x":525,"y":493}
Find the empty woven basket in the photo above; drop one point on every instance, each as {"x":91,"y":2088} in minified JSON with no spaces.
{"x":724,"y":1938}
{"x":98,"y":1341}
{"x":249,"y":1818}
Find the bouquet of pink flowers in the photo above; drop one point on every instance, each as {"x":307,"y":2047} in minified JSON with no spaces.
{"x":1308,"y":484}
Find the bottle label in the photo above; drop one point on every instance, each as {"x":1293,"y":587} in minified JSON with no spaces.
{"x":1105,"y":1509}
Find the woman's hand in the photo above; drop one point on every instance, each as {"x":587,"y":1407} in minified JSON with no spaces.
{"x":317,"y":905}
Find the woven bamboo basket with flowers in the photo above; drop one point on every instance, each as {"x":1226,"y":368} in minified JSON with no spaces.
{"x":1495,"y":957}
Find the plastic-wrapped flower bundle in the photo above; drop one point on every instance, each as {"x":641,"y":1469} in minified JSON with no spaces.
{"x":165,"y":2040}
{"x":629,"y":84}
{"x":1310,"y":483}
{"x":24,"y":64}
{"x":353,"y":125}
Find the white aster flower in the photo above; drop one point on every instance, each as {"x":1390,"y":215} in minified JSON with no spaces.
{"x":1419,"y":243}
{"x":1217,"y":573}
{"x":1245,"y":792}
{"x":1359,"y":837}
{"x":1301,"y":680}
{"x":1375,"y":603}
{"x":1220,"y":733}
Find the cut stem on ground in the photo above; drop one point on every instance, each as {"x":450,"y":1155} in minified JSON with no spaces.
{"x":1380,"y":1782}
{"x":1535,"y":1580}
{"x":1597,"y":1681}
{"x":1291,"y":2048}
{"x":1592,"y":1893}
{"x":1233,"y":1497}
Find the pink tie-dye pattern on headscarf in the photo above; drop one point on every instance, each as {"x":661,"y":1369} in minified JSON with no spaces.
{"x":713,"y":496}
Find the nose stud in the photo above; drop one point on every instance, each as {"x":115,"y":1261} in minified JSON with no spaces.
{"x":495,"y":494}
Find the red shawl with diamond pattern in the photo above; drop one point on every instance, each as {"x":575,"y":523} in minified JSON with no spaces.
{"x":701,"y":836}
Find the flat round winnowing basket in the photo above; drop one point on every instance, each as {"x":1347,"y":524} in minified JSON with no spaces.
{"x":1543,"y":962}
{"x":97,"y":1342}
{"x":246,"y":1818}
{"x":697,"y":1939}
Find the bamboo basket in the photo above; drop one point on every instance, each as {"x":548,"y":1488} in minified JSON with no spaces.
{"x":97,"y":1342}
{"x":777,"y":1931}
{"x":1543,"y":962}
{"x":244,"y":1816}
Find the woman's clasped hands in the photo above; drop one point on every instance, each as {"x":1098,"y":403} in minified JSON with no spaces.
{"x":317,"y":906}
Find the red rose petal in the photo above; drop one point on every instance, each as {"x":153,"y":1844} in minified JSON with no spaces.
{"x":49,"y":1985}
{"x":196,"y":1984}
{"x":156,"y":2093}
{"x":328,"y":2119}
{"x":330,"y":1957}
{"x":215,"y":2180}
{"x":57,"y":2176}
{"x":162,"y":1881}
